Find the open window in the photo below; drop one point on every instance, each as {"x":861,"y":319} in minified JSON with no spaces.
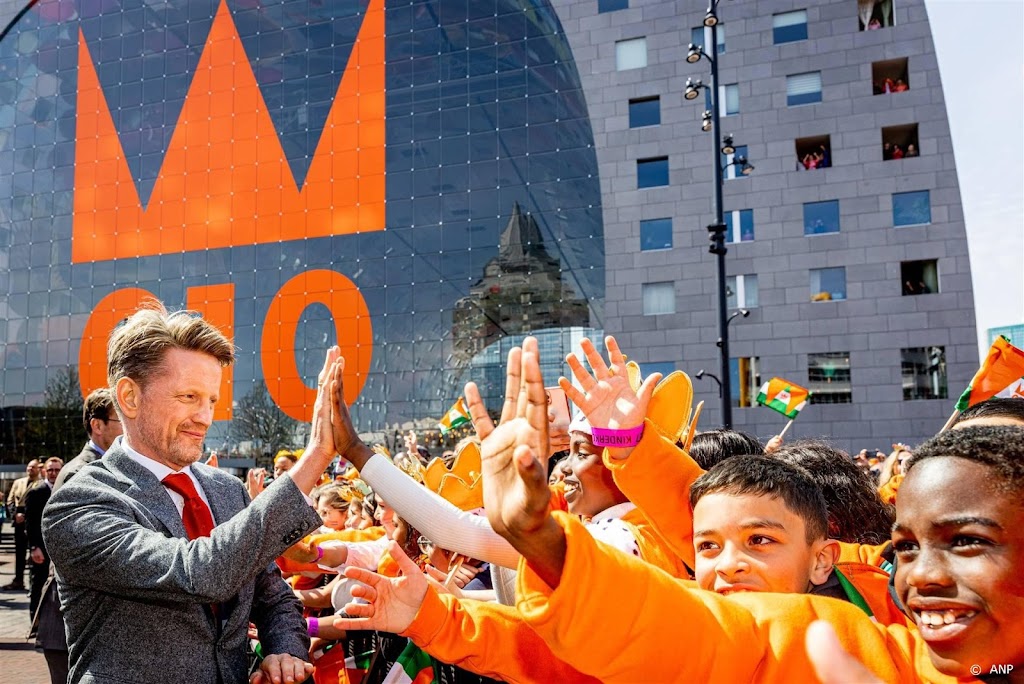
{"x":890,"y":76}
{"x":874,"y":14}
{"x":919,"y":277}
{"x":899,"y":142}
{"x":814,"y":152}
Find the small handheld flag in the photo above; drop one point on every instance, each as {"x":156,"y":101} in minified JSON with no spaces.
{"x":457,"y":416}
{"x":1000,"y":375}
{"x":783,"y":396}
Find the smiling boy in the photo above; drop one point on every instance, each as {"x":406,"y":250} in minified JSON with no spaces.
{"x":761,"y":525}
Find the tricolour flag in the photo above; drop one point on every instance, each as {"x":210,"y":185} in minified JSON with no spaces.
{"x":413,"y":666}
{"x":457,"y":416}
{"x":783,"y":396}
{"x":1000,"y":375}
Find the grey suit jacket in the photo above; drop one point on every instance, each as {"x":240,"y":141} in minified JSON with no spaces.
{"x":72,"y":467}
{"x":136,"y":593}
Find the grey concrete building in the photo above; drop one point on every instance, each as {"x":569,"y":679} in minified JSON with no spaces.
{"x":891,"y":337}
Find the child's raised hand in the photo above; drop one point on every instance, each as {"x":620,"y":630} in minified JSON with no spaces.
{"x":607,"y":399}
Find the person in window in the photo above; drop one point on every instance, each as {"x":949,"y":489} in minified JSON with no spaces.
{"x":824,"y":159}
{"x":900,"y":86}
{"x":912,"y":150}
{"x":897,"y":152}
{"x":874,"y":25}
{"x":886,"y":151}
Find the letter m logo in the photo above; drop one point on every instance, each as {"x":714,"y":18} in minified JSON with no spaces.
{"x":225,"y":180}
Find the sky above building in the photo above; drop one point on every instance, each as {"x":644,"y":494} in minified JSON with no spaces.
{"x":981,"y":61}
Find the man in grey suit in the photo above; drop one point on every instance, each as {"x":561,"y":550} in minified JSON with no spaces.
{"x":161,"y":561}
{"x":101,"y":425}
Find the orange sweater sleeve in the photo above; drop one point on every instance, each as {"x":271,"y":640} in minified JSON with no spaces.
{"x":489,"y":639}
{"x":691,"y":635}
{"x":657,"y":478}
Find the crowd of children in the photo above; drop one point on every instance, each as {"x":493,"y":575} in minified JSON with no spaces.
{"x":649,"y":553}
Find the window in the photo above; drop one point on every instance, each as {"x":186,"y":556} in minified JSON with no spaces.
{"x":874,"y":14}
{"x":630,"y":54}
{"x":652,"y":173}
{"x":735,"y":163}
{"x":729,"y":96}
{"x":890,"y":76}
{"x":828,"y":284}
{"x":911,"y":208}
{"x":655,"y":234}
{"x":789,"y":27}
{"x":899,"y":142}
{"x":611,"y":5}
{"x":741,"y":291}
{"x":659,"y":298}
{"x":645,"y":111}
{"x":919,"y":277}
{"x":821,"y":217}
{"x":814,"y":152}
{"x":803,"y":89}
{"x":697,"y":37}
{"x":652,"y":367}
{"x":924,"y":373}
{"x":828,"y":378}
{"x":744,"y":218}
{"x":745,"y":378}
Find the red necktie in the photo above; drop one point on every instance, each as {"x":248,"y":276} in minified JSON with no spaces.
{"x":196,"y":514}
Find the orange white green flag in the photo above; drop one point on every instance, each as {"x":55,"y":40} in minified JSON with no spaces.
{"x":788,"y":398}
{"x":1000,"y":375}
{"x":457,"y":416}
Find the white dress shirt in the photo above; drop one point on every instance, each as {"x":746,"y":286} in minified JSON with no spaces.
{"x":161,"y":471}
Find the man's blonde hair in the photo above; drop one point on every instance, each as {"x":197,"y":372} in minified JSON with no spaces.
{"x":137,"y":347}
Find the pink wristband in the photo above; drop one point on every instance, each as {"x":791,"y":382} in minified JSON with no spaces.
{"x":606,"y":437}
{"x":314,"y":626}
{"x":319,"y":554}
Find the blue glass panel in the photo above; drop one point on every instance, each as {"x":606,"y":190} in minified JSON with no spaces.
{"x":652,"y":173}
{"x":821,"y":217}
{"x":789,"y":34}
{"x":911,"y":208}
{"x":656,"y":234}
{"x":803,"y":98}
{"x":645,"y":112}
{"x":611,"y":5}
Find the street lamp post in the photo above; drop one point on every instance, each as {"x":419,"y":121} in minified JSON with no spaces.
{"x":716,"y":230}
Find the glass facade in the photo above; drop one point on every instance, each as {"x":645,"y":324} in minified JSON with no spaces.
{"x":407,"y":182}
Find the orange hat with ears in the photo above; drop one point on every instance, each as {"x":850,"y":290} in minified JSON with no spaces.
{"x":462,"y":484}
{"x":670,"y":406}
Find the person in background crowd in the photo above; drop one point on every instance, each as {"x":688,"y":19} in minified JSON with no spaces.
{"x":283,"y":462}
{"x":994,"y":411}
{"x":711,"y":447}
{"x":101,"y":425}
{"x":35,"y":501}
{"x":16,"y":511}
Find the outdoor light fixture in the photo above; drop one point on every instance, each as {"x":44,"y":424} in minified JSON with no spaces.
{"x":692,"y":88}
{"x":745,"y":168}
{"x":707,"y":123}
{"x":693,"y":56}
{"x":710,"y":19}
{"x":728,"y":148}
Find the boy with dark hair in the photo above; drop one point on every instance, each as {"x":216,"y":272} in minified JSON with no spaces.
{"x":761,"y":525}
{"x":711,"y":447}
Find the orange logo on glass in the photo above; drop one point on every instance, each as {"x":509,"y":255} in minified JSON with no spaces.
{"x":225,"y":181}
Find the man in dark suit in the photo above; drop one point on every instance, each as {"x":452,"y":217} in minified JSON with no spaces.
{"x":161,"y":561}
{"x":101,"y":425}
{"x":16,"y":511}
{"x":35,"y":501}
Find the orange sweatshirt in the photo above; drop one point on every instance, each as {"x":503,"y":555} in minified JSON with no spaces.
{"x":489,"y":639}
{"x":749,"y":637}
{"x":295,"y":567}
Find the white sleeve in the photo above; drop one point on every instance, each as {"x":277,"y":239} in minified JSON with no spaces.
{"x":438,"y":520}
{"x":364,"y":555}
